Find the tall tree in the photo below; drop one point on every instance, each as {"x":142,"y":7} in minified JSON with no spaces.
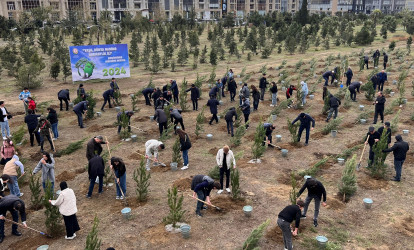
{"x":303,"y":14}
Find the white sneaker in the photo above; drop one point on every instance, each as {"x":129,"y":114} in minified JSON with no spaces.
{"x":21,"y":194}
{"x":117,"y":198}
{"x":220,"y":191}
{"x":54,"y":139}
{"x":228,"y":190}
{"x":271,"y":105}
{"x":148,"y":169}
{"x":121,"y":197}
{"x":4,"y":138}
{"x":184,"y":168}
{"x":70,"y":238}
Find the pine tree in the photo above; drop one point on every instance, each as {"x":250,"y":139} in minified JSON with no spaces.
{"x":253,"y":239}
{"x":141,"y":177}
{"x":290,"y":44}
{"x":199,"y":123}
{"x":90,"y":113}
{"x":36,"y":198}
{"x":236,"y":139}
{"x":348,"y":101}
{"x":53,"y":220}
{"x":258,"y":148}
{"x":378,"y":168}
{"x":92,"y":240}
{"x":347,"y":186}
{"x":203,"y":56}
{"x":55,"y":69}
{"x":176,"y":155}
{"x":155,"y":62}
{"x":182,"y":55}
{"x":213,"y":57}
{"x":124,"y":122}
{"x":293,"y":194}
{"x":134,"y":49}
{"x":146,"y":53}
{"x":384,"y":32}
{"x":183,"y":96}
{"x":409,"y":42}
{"x":395,"y":121}
{"x":176,"y":207}
{"x":293,"y":130}
{"x":235,"y":182}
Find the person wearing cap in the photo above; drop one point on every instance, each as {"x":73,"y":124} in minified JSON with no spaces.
{"x":79,"y":110}
{"x":151,"y":148}
{"x":400,"y":149}
{"x":94,"y":146}
{"x":349,"y":74}
{"x":176,"y":117}
{"x":373,"y":137}
{"x":263,"y":85}
{"x":7,"y":151}
{"x":326,"y":76}
{"x":14,"y":205}
{"x":81,"y":91}
{"x":317,"y":192}
{"x":195,"y":95}
{"x":66,"y":202}
{"x":107,"y":95}
{"x":23,"y":97}
{"x":285,"y":218}
{"x":268,"y":133}
{"x":379,"y":107}
{"x":63,"y":96}
{"x":44,"y":127}
{"x":202,"y":186}
{"x":225,"y":158}
{"x":11,"y":170}
{"x":305,"y":123}
{"x":387,"y":126}
{"x":128,"y":115}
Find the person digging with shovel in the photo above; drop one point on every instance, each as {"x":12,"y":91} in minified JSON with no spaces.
{"x":14,"y":205}
{"x":151,"y":148}
{"x":94,"y":146}
{"x":373,"y":137}
{"x":269,"y":129}
{"x":315,"y":191}
{"x":202,"y":186}
{"x":118,"y":165}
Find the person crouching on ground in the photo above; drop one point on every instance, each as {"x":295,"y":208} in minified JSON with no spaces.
{"x":225,"y":159}
{"x":151,"y":148}
{"x":202,"y":186}
{"x":287,"y":216}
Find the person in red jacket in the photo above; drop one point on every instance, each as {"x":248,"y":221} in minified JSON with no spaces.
{"x":289,"y":93}
{"x":32,"y":104}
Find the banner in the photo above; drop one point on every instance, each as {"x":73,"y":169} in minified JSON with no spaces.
{"x":99,"y":62}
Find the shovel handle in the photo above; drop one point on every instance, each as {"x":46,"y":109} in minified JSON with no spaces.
{"x":109,"y":150}
{"x":272,"y":145}
{"x":203,"y":201}
{"x":363,"y":151}
{"x":151,"y":159}
{"x":42,"y":233}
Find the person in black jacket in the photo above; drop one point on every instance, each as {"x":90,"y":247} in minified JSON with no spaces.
{"x":118,"y":166}
{"x":174,"y":90}
{"x":94,"y":147}
{"x":326,"y":76}
{"x":285,"y":218}
{"x":245,"y":107}
{"x":316,"y":191}
{"x":159,"y":103}
{"x":376,"y":57}
{"x":31,"y":120}
{"x":229,"y":120}
{"x":118,"y":118}
{"x":195,"y":95}
{"x":63,"y":95}
{"x":96,"y":168}
{"x":385,"y":60}
{"x":81,"y":90}
{"x":353,"y":88}
{"x":256,"y":97}
{"x":113,"y":84}
{"x":202,"y":186}
{"x":263,"y":85}
{"x":305,"y":123}
{"x":14,"y":205}
{"x":157,"y":94}
{"x":373,"y":137}
{"x":379,"y":107}
{"x":213,"y":104}
{"x":185,"y":145}
{"x":147,"y":92}
{"x":273,"y":90}
{"x":232,"y":87}
{"x":333,"y":107}
{"x":349,"y":74}
{"x":167,"y":96}
{"x":400,"y":149}
{"x":214,"y":91}
{"x":375,"y":81}
{"x":161,"y":119}
{"x":366,"y":61}
{"x":79,"y":110}
{"x":176,"y":117}
{"x":107,"y":95}
{"x":52,"y":117}
{"x":387,"y":126}
{"x":269,"y":129}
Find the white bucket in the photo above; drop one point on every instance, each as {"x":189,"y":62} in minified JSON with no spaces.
{"x":341,"y":161}
{"x":70,"y":105}
{"x":98,"y":114}
{"x":209,"y":137}
{"x":361,"y":107}
{"x":173,"y":166}
{"x":151,"y":118}
{"x":118,"y":109}
{"x":285,"y":152}
{"x":274,"y":117}
{"x":134,"y":138}
{"x":368,"y":203}
{"x":333,"y":133}
{"x":322,"y":240}
{"x":406,"y":131}
{"x":311,"y":97}
{"x":126,"y":212}
{"x":247,"y":210}
{"x":278,"y":138}
{"x":392,"y":93}
{"x":363,"y":121}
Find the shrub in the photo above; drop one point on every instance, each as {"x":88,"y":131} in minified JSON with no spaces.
{"x":282,"y":105}
{"x":74,"y":146}
{"x":378,"y":168}
{"x":183,"y":95}
{"x":293,"y":193}
{"x":347,"y":185}
{"x":175,"y":203}
{"x":92,"y":240}
{"x":35,"y":186}
{"x":176,"y":155}
{"x":235,"y":182}
{"x":395,"y":121}
{"x":141,"y":177}
{"x":258,"y":148}
{"x":293,"y":130}
{"x":91,"y":105}
{"x":53,"y":220}
{"x":369,"y":91}
{"x":254,"y":237}
{"x":214,"y":173}
{"x":332,"y":125}
{"x":200,"y":123}
{"x":124,"y":122}
{"x":347,"y":102}
{"x":236,"y":139}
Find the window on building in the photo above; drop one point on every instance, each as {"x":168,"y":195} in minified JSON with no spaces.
{"x":75,"y":4}
{"x":201,"y":6}
{"x":105,"y":4}
{"x":10,"y":6}
{"x":93,"y":6}
{"x":120,"y":4}
{"x":10,"y":15}
{"x":270,"y":6}
{"x":251,"y":6}
{"x":93,"y":14}
{"x":137,"y":5}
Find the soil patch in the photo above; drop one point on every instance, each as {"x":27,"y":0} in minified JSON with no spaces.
{"x":317,"y":135}
{"x":274,"y":235}
{"x":183,"y":184}
{"x":160,"y":169}
{"x":141,"y":119}
{"x":156,"y":235}
{"x":372,"y":184}
{"x":335,"y":203}
{"x":353,"y":144}
{"x":135,"y":156}
{"x":405,"y":225}
{"x":30,"y":242}
{"x":65,"y":176}
{"x":213,"y":151}
{"x":226,"y":204}
{"x":94,"y":128}
{"x":80,"y":170}
{"x":289,"y":146}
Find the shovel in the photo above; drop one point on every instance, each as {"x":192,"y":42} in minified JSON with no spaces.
{"x":273,"y":145}
{"x":42,"y":233}
{"x":122,"y":192}
{"x":217,"y":208}
{"x":162,"y":164}
{"x":360,"y":159}
{"x":51,"y":138}
{"x":137,"y":128}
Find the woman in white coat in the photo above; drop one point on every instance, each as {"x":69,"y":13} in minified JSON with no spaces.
{"x":225,"y":159}
{"x":67,"y":207}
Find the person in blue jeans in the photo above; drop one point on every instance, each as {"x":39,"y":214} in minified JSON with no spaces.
{"x":96,"y":168}
{"x":79,"y":110}
{"x":118,"y":166}
{"x":14,"y":205}
{"x":53,"y":119}
{"x":305,"y":123}
{"x":11,"y":169}
{"x":202,"y":186}
{"x":400,"y":149}
{"x":47,"y":165}
{"x":4,"y":121}
{"x":185,"y":144}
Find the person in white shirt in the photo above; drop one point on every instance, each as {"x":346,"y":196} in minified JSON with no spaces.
{"x":225,"y":159}
{"x":4,"y":121}
{"x":151,"y":148}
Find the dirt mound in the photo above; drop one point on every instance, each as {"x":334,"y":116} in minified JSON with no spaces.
{"x":94,"y":128}
{"x":30,"y":242}
{"x":289,"y":146}
{"x":213,"y":151}
{"x":335,"y":203}
{"x":141,"y":119}
{"x":405,"y":225}
{"x":372,"y":184}
{"x":156,"y":235}
{"x":80,"y":170}
{"x":135,"y":156}
{"x":65,"y":176}
{"x":226,"y":204}
{"x":317,"y":135}
{"x":183,"y":184}
{"x":274,"y":235}
{"x":160,"y":169}
{"x":353,"y":144}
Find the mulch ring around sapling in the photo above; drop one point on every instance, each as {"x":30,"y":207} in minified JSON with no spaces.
{"x":226,"y":204}
{"x":183,"y":184}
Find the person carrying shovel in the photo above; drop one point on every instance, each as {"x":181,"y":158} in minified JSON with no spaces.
{"x":14,"y":205}
{"x":269,"y":129}
{"x":151,"y":148}
{"x":202,"y":186}
{"x":373,"y":137}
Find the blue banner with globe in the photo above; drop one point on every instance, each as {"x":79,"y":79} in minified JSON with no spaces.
{"x":99,"y":62}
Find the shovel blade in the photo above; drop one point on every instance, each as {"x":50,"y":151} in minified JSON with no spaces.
{"x":358,"y":166}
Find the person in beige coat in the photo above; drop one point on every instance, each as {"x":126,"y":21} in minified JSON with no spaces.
{"x":11,"y":170}
{"x":67,"y":207}
{"x":225,"y":159}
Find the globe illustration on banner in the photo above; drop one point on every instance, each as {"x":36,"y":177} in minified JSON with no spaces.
{"x":86,"y":66}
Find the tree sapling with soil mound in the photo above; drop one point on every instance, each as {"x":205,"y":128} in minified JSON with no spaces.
{"x":35,"y":186}
{"x":258,"y":148}
{"x":92,"y":240}
{"x":53,"y":220}
{"x":347,"y":186}
{"x":141,"y":177}
{"x":254,"y":237}
{"x":176,"y":155}
{"x":176,"y":205}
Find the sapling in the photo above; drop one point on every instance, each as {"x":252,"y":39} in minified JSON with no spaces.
{"x":134,"y":101}
{"x":258,"y":148}
{"x":183,"y":95}
{"x":347,"y":186}
{"x":369,"y":91}
{"x":239,"y":119}
{"x":332,"y":125}
{"x":293,"y":130}
{"x":236,"y":139}
{"x":92,"y":240}
{"x":124,"y":122}
{"x":235,"y":182}
{"x":395,"y":121}
{"x":35,"y":186}
{"x":199,"y":83}
{"x":53,"y":220}
{"x":175,"y":203}
{"x":293,"y":194}
{"x":166,"y":133}
{"x":19,"y":134}
{"x":348,"y":101}
{"x":378,"y":168}
{"x":326,"y":105}
{"x":74,"y":146}
{"x":91,"y":105}
{"x":176,"y":155}
{"x":200,"y":123}
{"x":141,"y":177}
{"x":118,"y":97}
{"x":254,"y":237}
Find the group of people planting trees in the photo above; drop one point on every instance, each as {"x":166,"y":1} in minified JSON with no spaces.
{"x":42,"y":128}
